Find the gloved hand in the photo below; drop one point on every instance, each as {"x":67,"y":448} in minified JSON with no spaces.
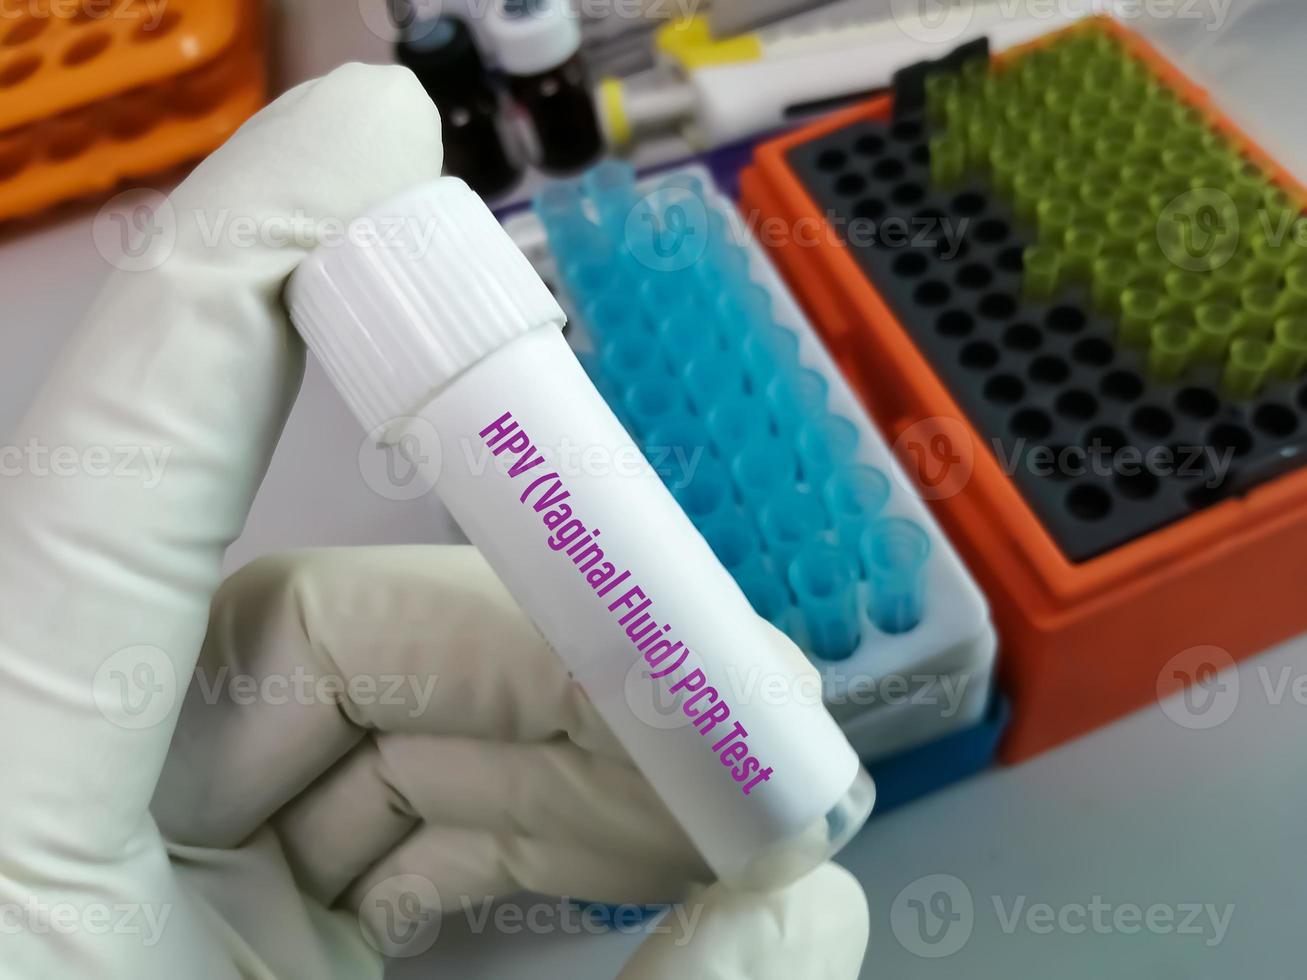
{"x":373,"y":735}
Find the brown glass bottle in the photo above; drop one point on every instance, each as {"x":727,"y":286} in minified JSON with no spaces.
{"x":561,"y":112}
{"x":538,"y":43}
{"x":443,"y":55}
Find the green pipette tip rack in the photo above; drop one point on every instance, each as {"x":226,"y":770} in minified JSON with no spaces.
{"x":1188,"y":243}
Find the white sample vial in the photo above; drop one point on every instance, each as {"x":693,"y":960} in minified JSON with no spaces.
{"x":441,"y":331}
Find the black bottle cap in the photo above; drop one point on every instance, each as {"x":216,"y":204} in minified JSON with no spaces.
{"x":443,"y":55}
{"x":909,"y":84}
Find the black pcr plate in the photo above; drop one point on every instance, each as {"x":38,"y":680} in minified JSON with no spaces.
{"x":1046,"y":384}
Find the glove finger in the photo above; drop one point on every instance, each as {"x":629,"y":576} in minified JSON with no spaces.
{"x":816,"y":928}
{"x":455,"y":870}
{"x":308,"y":651}
{"x":551,"y":792}
{"x":157,"y":424}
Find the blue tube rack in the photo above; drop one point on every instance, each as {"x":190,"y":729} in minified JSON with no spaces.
{"x":693,"y":339}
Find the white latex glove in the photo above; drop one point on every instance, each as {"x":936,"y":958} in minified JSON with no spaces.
{"x":297,"y":829}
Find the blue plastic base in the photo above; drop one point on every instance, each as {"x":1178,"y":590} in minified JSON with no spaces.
{"x":913,"y":774}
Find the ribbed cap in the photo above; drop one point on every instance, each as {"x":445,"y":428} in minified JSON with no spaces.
{"x":421,"y":288}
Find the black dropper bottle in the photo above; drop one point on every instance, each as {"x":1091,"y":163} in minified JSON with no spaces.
{"x":444,"y":56}
{"x":538,"y":44}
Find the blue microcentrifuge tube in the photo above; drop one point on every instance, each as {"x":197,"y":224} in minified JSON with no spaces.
{"x":611,"y":186}
{"x":826,"y":588}
{"x":767,"y":594}
{"x":854,"y":497}
{"x":681,"y":440}
{"x":713,"y":378}
{"x":734,"y":541}
{"x":629,"y":356}
{"x":651,"y":401}
{"x":763,"y":469}
{"x":660,"y":291}
{"x":737,"y":422}
{"x":769,"y":352}
{"x":704,"y":491}
{"x":795,"y":398}
{"x":789,"y":520}
{"x":740,"y":313}
{"x":894,"y":553}
{"x":722,"y":274}
{"x":561,"y":209}
{"x":825,"y":444}
{"x":612,"y":317}
{"x":587,"y":279}
{"x":684,"y":335}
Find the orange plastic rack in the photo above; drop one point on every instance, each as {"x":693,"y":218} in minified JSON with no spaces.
{"x":118,"y":90}
{"x":1082,"y":643}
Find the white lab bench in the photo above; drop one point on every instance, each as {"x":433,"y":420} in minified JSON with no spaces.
{"x":1144,"y":814}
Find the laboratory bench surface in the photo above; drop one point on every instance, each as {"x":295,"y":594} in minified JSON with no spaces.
{"x":1148,"y":849}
